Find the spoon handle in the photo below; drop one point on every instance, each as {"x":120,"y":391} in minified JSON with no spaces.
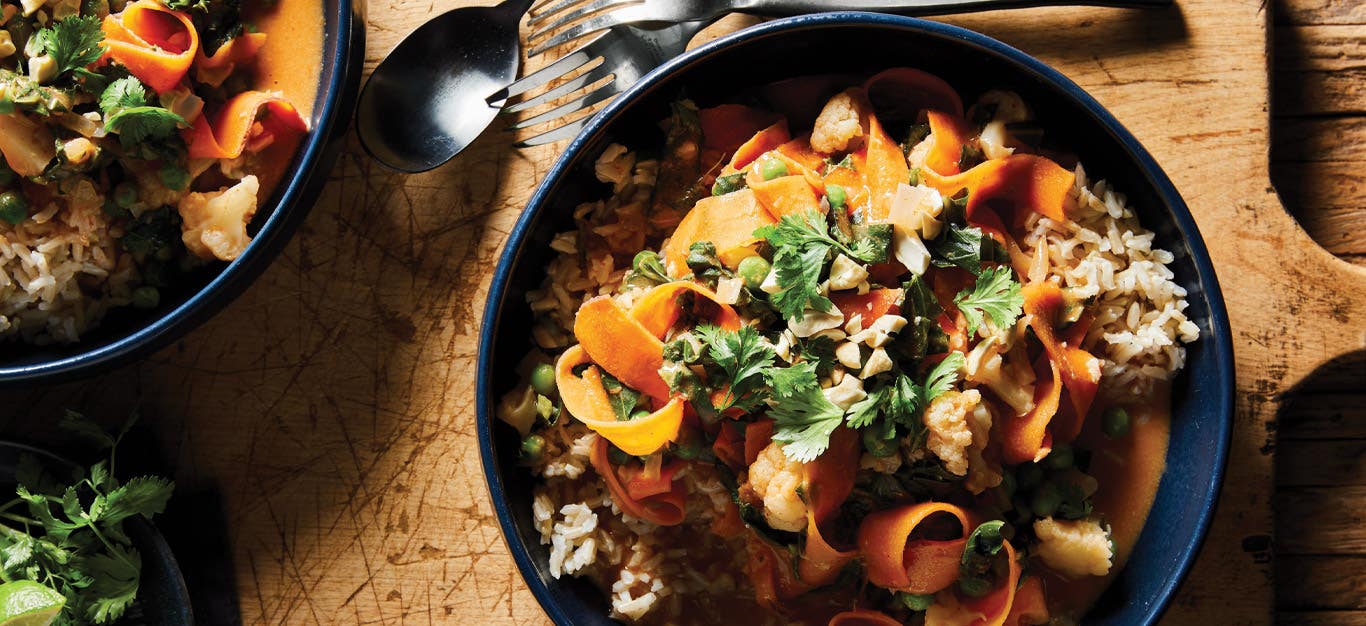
{"x":777,"y":8}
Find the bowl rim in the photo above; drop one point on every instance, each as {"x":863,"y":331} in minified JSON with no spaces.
{"x":1220,"y":337}
{"x":285,"y":215}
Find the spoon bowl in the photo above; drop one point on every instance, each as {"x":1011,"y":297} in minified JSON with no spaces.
{"x":426,"y":100}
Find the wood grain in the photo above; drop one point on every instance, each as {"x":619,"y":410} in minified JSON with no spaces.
{"x":331,"y":406}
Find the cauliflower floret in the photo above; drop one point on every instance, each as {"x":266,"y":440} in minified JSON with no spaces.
{"x":777,"y":480}
{"x":982,"y":474}
{"x":949,"y":434}
{"x":614,"y":165}
{"x":215,"y":223}
{"x":1012,"y":384}
{"x":837,"y":125}
{"x":1074,"y":548}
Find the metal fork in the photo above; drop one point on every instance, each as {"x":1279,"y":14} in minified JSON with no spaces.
{"x":619,"y":12}
{"x":622,"y":54}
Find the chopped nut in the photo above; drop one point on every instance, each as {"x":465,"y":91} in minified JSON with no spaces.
{"x":878,"y":362}
{"x":848,"y":355}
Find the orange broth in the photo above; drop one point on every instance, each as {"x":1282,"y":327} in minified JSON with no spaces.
{"x":1128,"y":470}
{"x":290,"y":63}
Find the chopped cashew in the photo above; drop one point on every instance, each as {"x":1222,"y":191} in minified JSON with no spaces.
{"x":837,"y":124}
{"x":878,"y":362}
{"x":848,"y":355}
{"x":993,"y":141}
{"x":215,"y":223}
{"x":846,"y":273}
{"x":1074,"y":547}
{"x":777,"y":480}
{"x":7,"y":48}
{"x":42,"y":68}
{"x":846,"y":393}
{"x":814,"y":321}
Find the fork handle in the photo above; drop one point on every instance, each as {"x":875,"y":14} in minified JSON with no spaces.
{"x":782,"y":8}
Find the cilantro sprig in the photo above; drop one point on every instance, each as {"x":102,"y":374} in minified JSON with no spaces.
{"x":73,"y":43}
{"x":740,"y":357}
{"x":72,"y":539}
{"x":995,"y":295}
{"x":802,"y":247}
{"x":803,"y":418}
{"x":128,"y":114}
{"x":896,"y":408}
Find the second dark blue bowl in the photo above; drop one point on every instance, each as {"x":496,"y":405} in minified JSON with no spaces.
{"x":851,"y":43}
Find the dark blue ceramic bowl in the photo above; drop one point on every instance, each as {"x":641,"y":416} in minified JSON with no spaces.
{"x":1203,"y":396}
{"x":129,"y":333}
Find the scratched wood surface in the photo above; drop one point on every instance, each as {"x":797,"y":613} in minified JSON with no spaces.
{"x":329,"y":410}
{"x":1318,"y":156}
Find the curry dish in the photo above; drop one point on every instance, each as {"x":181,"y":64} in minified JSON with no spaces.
{"x":139,"y":140}
{"x":894,"y":361}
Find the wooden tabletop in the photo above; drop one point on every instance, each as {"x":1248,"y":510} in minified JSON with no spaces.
{"x":321,"y":428}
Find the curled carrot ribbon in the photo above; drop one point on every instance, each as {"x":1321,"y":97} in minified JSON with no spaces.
{"x":661,"y":503}
{"x":586,"y":399}
{"x":214,"y":69}
{"x":247,"y":122}
{"x":863,"y":617}
{"x":895,"y":561}
{"x":1030,"y":437}
{"x":156,"y":44}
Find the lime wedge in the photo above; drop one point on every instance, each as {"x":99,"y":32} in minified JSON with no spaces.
{"x":26,"y":603}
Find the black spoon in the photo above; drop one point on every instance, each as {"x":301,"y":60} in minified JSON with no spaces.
{"x":426,"y":101}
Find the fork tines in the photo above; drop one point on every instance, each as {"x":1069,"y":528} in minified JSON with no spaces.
{"x":568,"y":13}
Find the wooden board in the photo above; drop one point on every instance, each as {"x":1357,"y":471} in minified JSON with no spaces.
{"x":331,"y":407}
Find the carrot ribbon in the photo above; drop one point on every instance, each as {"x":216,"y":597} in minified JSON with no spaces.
{"x":248,"y":122}
{"x":1030,"y":437}
{"x":586,"y":399}
{"x":664,"y":504}
{"x":156,"y":44}
{"x":863,"y":617}
{"x":895,"y":561}
{"x":213,"y":70}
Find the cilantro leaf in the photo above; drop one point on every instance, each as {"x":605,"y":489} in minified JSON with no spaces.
{"x":124,"y":93}
{"x":864,"y":412}
{"x":995,"y":295}
{"x":87,"y":429}
{"x":137,"y":124}
{"x":73,"y":42}
{"x":742,"y":357}
{"x":803,"y":418}
{"x":144,"y":495}
{"x":942,"y":377}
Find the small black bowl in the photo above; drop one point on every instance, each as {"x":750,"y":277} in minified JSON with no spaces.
{"x":1202,"y":398}
{"x":163,"y":599}
{"x":129,"y":333}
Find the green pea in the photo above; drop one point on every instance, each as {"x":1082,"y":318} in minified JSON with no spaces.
{"x":1029,"y":475}
{"x":974,"y":587}
{"x":174,"y":177}
{"x":753,"y":270}
{"x":837,"y":195}
{"x":532,"y":448}
{"x":126,"y":195}
{"x":772,"y":167}
{"x":1060,"y":458}
{"x":165,"y":253}
{"x":543,"y":379}
{"x":876,"y":445}
{"x":916,"y":601}
{"x":1045,"y":500}
{"x":1115,"y":422}
{"x":146,"y":297}
{"x":13,"y":207}
{"x":639,"y":414}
